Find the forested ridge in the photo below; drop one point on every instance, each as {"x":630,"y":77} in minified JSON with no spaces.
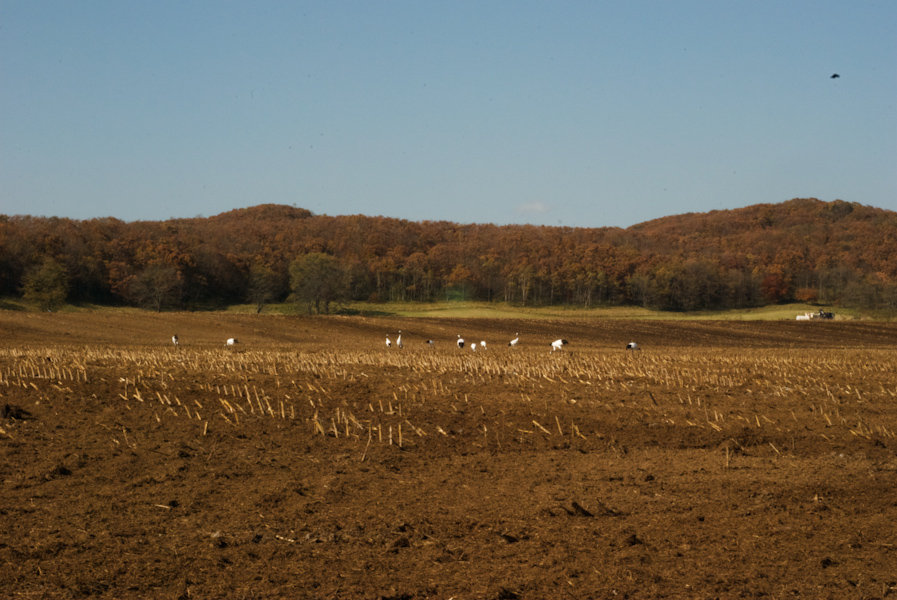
{"x":839,"y":253}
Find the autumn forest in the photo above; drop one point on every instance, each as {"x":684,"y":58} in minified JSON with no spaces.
{"x":830,"y":253}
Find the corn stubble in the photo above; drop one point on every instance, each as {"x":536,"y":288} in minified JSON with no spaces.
{"x":769,"y":399}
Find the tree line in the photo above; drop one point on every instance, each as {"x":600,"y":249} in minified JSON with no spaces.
{"x":834,"y":253}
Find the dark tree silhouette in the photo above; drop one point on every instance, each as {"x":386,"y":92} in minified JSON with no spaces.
{"x":318,"y":280}
{"x":46,"y":285}
{"x":158,"y":286}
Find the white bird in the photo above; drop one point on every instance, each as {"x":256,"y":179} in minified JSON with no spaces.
{"x":231,"y":342}
{"x":460,"y":341}
{"x":558,"y":344}
{"x":632,"y":346}
{"x":483,"y":345}
{"x":430,"y":344}
{"x":174,"y":340}
{"x":473,"y":346}
{"x":515,"y":340}
{"x":399,"y":340}
{"x":388,"y":342}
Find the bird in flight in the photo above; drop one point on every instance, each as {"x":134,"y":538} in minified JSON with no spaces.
{"x":835,"y":76}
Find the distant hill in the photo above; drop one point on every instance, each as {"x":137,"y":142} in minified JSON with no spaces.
{"x":822,"y":234}
{"x":264,"y":212}
{"x":804,"y":249}
{"x":786,"y":216}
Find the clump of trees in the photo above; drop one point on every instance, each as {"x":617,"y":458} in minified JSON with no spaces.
{"x":804,"y":249}
{"x":46,"y":285}
{"x":318,"y":280}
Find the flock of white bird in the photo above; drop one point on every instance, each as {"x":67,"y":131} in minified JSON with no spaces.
{"x":555,"y":345}
{"x":228,"y":342}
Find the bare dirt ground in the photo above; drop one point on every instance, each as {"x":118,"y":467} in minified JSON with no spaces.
{"x":723,"y":460}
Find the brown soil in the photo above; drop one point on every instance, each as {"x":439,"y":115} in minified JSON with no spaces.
{"x":723,"y":460}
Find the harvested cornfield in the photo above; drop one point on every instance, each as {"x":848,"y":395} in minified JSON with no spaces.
{"x":311,"y":461}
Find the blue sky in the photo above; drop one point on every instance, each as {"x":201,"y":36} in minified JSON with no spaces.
{"x":590,"y":114}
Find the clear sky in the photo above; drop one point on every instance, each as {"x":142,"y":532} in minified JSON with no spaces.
{"x":581,"y":113}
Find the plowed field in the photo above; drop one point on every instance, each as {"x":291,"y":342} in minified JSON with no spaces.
{"x":722,"y":460}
